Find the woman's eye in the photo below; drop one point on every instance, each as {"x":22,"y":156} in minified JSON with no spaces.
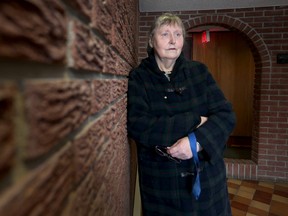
{"x":178,"y":34}
{"x":165,"y":34}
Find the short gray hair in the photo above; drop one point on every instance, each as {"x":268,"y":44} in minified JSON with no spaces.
{"x":167,"y":19}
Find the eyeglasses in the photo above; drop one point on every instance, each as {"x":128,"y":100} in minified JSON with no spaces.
{"x":162,"y":151}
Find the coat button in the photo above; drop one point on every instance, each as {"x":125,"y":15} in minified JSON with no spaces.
{"x":165,"y":97}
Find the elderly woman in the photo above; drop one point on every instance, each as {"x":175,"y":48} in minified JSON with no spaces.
{"x":180,"y":121}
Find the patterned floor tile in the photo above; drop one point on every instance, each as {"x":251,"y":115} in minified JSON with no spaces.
{"x":279,"y":208}
{"x":263,"y":197}
{"x":251,"y":198}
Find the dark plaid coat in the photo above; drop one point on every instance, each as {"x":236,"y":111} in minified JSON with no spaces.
{"x":162,"y":111}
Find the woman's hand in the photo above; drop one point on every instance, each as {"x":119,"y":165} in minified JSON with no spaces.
{"x":203,"y":120}
{"x":181,"y":149}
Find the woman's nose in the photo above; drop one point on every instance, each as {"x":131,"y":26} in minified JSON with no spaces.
{"x":172,"y":39}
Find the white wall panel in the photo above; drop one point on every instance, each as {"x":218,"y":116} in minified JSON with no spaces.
{"x":186,"y":5}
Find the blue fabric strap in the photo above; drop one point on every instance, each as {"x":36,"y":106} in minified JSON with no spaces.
{"x":196,"y":187}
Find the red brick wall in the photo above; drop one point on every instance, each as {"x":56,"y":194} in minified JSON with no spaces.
{"x":266,"y":31}
{"x":63,"y":142}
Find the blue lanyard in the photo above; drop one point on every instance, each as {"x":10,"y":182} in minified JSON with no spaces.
{"x":196,"y":190}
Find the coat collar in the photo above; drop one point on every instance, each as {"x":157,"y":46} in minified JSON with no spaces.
{"x":151,"y":64}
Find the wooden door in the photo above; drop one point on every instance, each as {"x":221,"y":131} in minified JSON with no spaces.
{"x":231,"y":63}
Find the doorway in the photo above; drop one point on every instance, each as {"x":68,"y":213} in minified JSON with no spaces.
{"x":231,"y":62}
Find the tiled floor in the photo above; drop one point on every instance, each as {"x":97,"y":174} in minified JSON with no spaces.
{"x":258,"y":198}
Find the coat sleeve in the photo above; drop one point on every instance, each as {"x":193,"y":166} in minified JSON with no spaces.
{"x":148,"y":129}
{"x":214,"y":134}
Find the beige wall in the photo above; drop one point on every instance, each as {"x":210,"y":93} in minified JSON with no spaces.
{"x":189,"y":5}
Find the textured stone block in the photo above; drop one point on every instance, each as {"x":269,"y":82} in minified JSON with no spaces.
{"x":85,"y":145}
{"x":103,"y":194}
{"x":102,"y":158}
{"x":34,"y":30}
{"x":104,"y":191}
{"x":111,"y":118}
{"x":101,"y":94}
{"x":104,"y":126}
{"x":111,"y":122}
{"x":54,"y":109}
{"x":114,"y":20}
{"x":106,"y":91}
{"x":82,"y":148}
{"x":112,"y":61}
{"x":112,"y":167}
{"x":84,"y":197}
{"x":81,"y":6}
{"x":121,"y":17}
{"x":102,"y":19}
{"x":124,"y":38}
{"x":120,"y":46}
{"x":124,"y":68}
{"x":90,"y":143}
{"x":105,"y":187}
{"x":89,"y":147}
{"x":43,"y":191}
{"x":114,"y":64}
{"x":7,"y":127}
{"x":88,"y":51}
{"x":118,"y":89}
{"x":103,"y":200}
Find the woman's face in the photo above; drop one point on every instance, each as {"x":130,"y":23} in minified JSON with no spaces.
{"x":168,"y":41}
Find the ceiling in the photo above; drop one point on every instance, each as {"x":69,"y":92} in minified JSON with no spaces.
{"x":186,"y":5}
